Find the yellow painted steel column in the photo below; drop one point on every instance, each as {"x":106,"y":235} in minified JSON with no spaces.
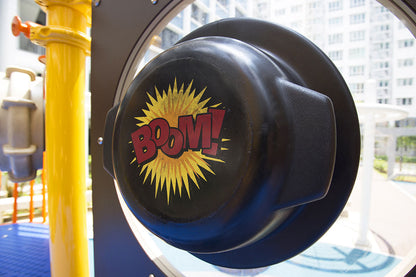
{"x":66,"y":48}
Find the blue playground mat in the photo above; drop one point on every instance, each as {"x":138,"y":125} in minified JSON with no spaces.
{"x":319,"y":260}
{"x":24,"y":251}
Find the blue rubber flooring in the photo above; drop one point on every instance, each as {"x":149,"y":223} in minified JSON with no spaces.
{"x":319,"y":260}
{"x":24,"y":250}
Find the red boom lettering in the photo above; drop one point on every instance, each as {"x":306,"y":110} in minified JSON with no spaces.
{"x":217,"y":119}
{"x":160,"y":131}
{"x":144,"y":147}
{"x":173,"y":147}
{"x":191,"y":134}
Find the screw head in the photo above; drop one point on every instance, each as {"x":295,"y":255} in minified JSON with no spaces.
{"x":100,"y":140}
{"x":96,"y":3}
{"x":154,"y":2}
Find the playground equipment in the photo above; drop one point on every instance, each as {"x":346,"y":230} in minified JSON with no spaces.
{"x":234,"y":148}
{"x":110,"y":85}
{"x":67,"y":46}
{"x":116,"y":80}
{"x":21,"y":129}
{"x":275,"y":78}
{"x":21,"y":124}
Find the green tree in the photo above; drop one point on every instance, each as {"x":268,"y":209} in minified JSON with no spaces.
{"x":406,"y":143}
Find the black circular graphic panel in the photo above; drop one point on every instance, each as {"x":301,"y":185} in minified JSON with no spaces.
{"x":223,"y":147}
{"x":184,"y":141}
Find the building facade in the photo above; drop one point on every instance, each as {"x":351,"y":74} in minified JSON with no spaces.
{"x":19,"y":51}
{"x":200,"y":13}
{"x":363,"y":39}
{"x":195,"y":15}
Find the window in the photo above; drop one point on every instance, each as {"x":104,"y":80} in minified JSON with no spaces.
{"x":296,"y":9}
{"x":409,"y":101}
{"x":357,"y":18}
{"x":199,"y":15}
{"x":29,"y":10}
{"x":357,"y":3}
{"x":404,"y":101}
{"x":314,"y":5}
{"x":280,"y":12}
{"x":404,"y":43}
{"x":381,"y":65}
{"x":381,"y":9}
{"x":168,"y":37}
{"x":382,"y":45}
{"x":383,"y":101}
{"x":356,"y":53}
{"x":221,"y":10}
{"x":335,"y":38}
{"x":405,"y":62}
{"x":357,"y":35}
{"x":178,"y":20}
{"x":335,"y":5}
{"x":357,"y":70}
{"x":404,"y":82}
{"x":223,"y":2}
{"x":335,"y":20}
{"x":335,"y":55}
{"x":383,"y":83}
{"x":357,"y":87}
{"x":382,"y":28}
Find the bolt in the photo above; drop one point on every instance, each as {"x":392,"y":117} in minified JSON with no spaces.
{"x":151,"y":275}
{"x":19,"y":27}
{"x":154,"y":2}
{"x":96,"y":3}
{"x":100,"y":140}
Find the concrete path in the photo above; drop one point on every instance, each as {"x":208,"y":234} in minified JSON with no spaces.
{"x":392,"y":217}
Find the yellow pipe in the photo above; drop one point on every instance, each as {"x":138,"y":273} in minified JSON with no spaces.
{"x":65,"y":132}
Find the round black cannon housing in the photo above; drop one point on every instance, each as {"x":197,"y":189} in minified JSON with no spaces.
{"x":240,"y":144}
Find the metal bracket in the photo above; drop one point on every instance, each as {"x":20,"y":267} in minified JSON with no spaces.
{"x":42,"y":35}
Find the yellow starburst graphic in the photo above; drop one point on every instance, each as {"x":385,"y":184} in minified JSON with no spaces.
{"x":175,"y":173}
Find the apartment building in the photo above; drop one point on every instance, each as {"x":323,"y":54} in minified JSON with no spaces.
{"x":197,"y":14}
{"x":19,"y":51}
{"x":362,"y":38}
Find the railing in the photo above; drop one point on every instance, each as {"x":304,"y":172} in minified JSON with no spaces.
{"x":36,"y":199}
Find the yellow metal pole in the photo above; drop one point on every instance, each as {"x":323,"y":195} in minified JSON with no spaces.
{"x":44,"y":189}
{"x":66,"y":45}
